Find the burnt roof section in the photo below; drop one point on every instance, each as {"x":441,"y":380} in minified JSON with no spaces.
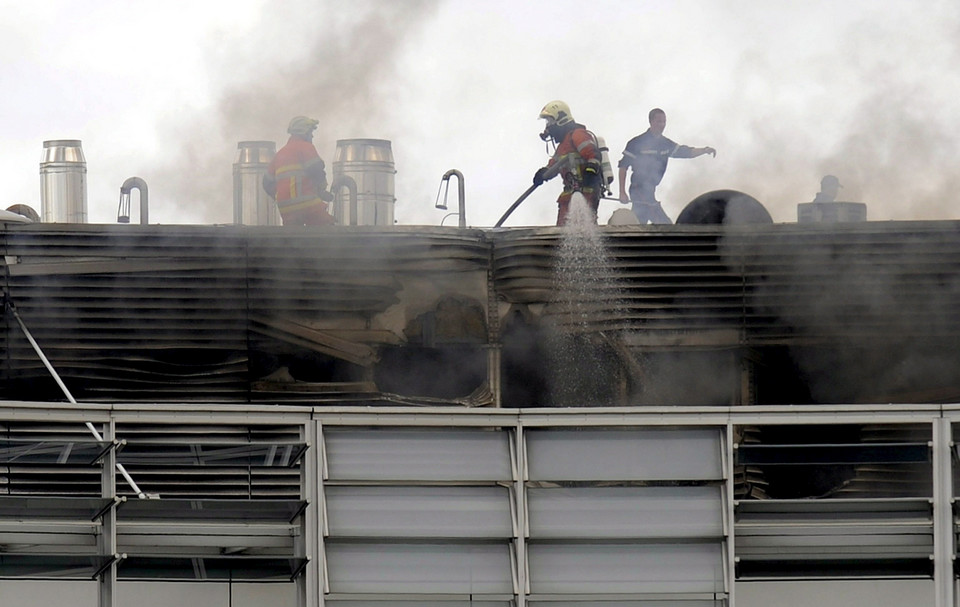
{"x":179,"y":313}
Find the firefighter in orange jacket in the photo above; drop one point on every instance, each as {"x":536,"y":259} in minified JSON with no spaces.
{"x":297,"y":179}
{"x":576,"y":159}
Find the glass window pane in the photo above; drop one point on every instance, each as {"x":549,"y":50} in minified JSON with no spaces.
{"x":397,"y":455}
{"x":420,"y":603}
{"x":625,"y":512}
{"x":419,"y":568}
{"x":649,"y":603}
{"x":405,"y":511}
{"x":624,"y":568}
{"x":658,"y":454}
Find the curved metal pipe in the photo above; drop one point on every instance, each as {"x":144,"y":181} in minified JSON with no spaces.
{"x":123,"y":213}
{"x":447,"y":215}
{"x":346,"y":181}
{"x":460,"y":195}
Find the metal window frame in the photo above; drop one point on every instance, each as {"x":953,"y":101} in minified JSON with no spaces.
{"x":313,"y":420}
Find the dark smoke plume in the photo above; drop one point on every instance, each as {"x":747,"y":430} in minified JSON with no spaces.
{"x":344,"y":78}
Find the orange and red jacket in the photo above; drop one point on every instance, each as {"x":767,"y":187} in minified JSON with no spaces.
{"x":576,"y":150}
{"x":298,"y":175}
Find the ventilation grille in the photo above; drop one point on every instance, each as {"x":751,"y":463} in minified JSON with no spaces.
{"x":788,"y":283}
{"x":172,"y":313}
{"x":173,"y":461}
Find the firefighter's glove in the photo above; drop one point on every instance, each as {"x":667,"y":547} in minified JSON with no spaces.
{"x":326,"y":196}
{"x":538,"y":178}
{"x":591,"y":177}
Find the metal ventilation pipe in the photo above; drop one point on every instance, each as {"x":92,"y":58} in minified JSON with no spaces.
{"x":340,"y":182}
{"x":252,"y":206}
{"x":460,"y":195}
{"x":369,"y":162}
{"x":123,"y":213}
{"x":63,"y":182}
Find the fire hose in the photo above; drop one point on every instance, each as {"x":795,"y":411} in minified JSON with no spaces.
{"x":514,"y":206}
{"x":529,"y":191}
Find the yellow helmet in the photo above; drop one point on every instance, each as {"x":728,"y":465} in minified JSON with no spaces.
{"x":301,"y":125}
{"x":556,"y":112}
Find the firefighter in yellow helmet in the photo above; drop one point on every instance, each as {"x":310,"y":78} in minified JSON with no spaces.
{"x":576,"y":160}
{"x":297,"y":178}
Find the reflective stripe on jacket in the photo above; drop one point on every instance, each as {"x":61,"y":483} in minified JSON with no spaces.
{"x":298,"y":172}
{"x":577,"y":149}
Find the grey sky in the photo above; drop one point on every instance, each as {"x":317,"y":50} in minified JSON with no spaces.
{"x":786,"y":92}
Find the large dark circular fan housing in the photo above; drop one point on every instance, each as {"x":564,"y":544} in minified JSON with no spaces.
{"x":727,"y":207}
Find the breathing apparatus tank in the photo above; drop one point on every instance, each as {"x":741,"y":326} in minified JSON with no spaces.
{"x":605,"y":167}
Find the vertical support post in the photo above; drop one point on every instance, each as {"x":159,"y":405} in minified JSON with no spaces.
{"x":943,"y":545}
{"x":729,"y":518}
{"x":493,"y":373}
{"x":107,"y":540}
{"x":494,"y":356}
{"x":308,"y":543}
{"x":520,"y":478}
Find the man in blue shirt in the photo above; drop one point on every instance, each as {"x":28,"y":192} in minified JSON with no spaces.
{"x":647,"y":155}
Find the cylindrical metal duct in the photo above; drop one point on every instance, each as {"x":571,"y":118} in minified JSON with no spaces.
{"x":369,"y":162}
{"x":251,"y":205}
{"x":63,"y":182}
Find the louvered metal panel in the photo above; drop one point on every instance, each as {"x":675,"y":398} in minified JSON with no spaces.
{"x":865,"y":507}
{"x":558,"y":546}
{"x":230,"y":504}
{"x":143,"y":310}
{"x":176,"y":461}
{"x":140,"y":313}
{"x":357,"y":272}
{"x":180,"y":313}
{"x":865,"y":283}
{"x":770,"y":282}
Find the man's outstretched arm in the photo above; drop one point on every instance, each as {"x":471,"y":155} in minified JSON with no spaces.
{"x":685,"y":151}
